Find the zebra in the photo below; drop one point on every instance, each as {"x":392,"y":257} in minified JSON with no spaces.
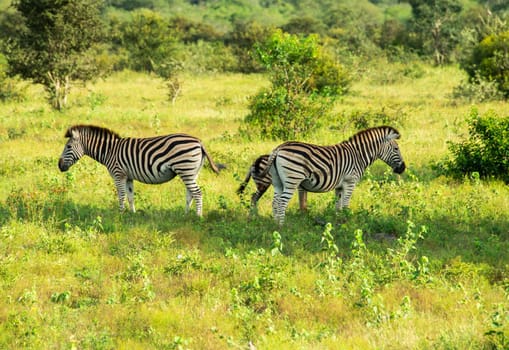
{"x":151,"y":160}
{"x":340,"y":167}
{"x":263,"y":183}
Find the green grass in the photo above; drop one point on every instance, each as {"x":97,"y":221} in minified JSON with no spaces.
{"x":77,"y":274}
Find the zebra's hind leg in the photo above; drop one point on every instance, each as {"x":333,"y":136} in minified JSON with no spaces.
{"x":284,"y":199}
{"x":278,"y":191}
{"x":195,"y":194}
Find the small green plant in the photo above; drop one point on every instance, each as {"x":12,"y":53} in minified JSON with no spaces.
{"x":498,"y":332}
{"x":400,"y":259}
{"x":485,"y":151}
{"x":331,"y":261}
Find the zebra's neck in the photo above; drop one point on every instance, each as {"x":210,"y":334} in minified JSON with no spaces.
{"x":99,"y":149}
{"x":365,"y":153}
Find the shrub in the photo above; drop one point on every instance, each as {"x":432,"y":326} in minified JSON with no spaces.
{"x":489,"y":61}
{"x":481,"y":91}
{"x":305,"y":82}
{"x":277,"y":115}
{"x":485,"y":151}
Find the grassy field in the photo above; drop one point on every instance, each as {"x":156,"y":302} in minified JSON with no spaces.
{"x":418,"y":262}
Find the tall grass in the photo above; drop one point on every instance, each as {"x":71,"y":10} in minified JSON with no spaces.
{"x":418,"y":262}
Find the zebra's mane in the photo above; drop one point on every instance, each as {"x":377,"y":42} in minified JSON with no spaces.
{"x":380,"y":131}
{"x":93,"y":129}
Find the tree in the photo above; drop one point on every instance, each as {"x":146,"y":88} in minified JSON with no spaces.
{"x":434,"y":27}
{"x":489,"y":61}
{"x":56,"y":44}
{"x":305,"y":83}
{"x":148,"y":40}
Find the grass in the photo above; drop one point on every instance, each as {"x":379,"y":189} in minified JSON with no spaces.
{"x":418,"y":262}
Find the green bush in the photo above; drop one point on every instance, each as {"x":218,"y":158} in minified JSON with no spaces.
{"x":489,"y":61}
{"x":485,"y":152}
{"x":305,"y":82}
{"x":277,"y":115}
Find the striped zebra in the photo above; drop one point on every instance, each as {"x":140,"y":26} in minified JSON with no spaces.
{"x":151,"y":160}
{"x":324,"y":168}
{"x":263,"y":183}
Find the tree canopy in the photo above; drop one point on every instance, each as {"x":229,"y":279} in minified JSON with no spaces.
{"x":55,"y":42}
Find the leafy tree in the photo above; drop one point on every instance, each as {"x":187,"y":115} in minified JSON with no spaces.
{"x":56,"y":44}
{"x":305,"y":83}
{"x":304,"y":25}
{"x":434,"y":27}
{"x":483,"y":56}
{"x":190,"y":31}
{"x":490,"y":62}
{"x":147,"y":39}
{"x":242,"y":39}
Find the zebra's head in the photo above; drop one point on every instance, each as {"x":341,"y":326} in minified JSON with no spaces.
{"x":390,"y":152}
{"x":73,"y":150}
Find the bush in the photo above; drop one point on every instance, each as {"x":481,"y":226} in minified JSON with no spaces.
{"x":11,"y":89}
{"x":305,"y":83}
{"x":489,"y":61}
{"x":485,"y":152}
{"x":277,"y":115}
{"x":481,"y":91}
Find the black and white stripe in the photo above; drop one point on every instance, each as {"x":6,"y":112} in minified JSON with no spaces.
{"x":151,"y":160}
{"x":263,"y":183}
{"x":314,"y":168}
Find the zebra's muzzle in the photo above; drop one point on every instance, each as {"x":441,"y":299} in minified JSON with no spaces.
{"x":62,"y":166}
{"x":400,"y":168}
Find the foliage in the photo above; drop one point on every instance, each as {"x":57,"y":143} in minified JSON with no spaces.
{"x":243,"y":38}
{"x":485,"y":152}
{"x":433,"y":27}
{"x":304,"y":84}
{"x":11,"y":89}
{"x":490,"y":62}
{"x":55,"y":46}
{"x":161,"y":279}
{"x":276,"y":114}
{"x":478,"y":89}
{"x":147,"y":39}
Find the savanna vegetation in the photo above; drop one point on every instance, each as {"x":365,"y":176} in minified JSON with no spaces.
{"x":418,"y":261}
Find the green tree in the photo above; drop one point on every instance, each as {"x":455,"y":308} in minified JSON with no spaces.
{"x":147,"y":40}
{"x":490,"y":62}
{"x":305,"y":83}
{"x":242,"y":39}
{"x":56,"y":44}
{"x":435,"y":27}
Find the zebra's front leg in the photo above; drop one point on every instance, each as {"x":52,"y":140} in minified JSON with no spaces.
{"x":343,"y":194}
{"x":130,"y":194}
{"x":120,"y":184}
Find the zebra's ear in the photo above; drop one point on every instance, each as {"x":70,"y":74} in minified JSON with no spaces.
{"x":392,"y":135}
{"x":72,"y":132}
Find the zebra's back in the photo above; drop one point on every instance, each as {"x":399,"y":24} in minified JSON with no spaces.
{"x":154,"y":160}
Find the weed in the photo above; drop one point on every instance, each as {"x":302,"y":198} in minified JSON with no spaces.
{"x":498,"y":332}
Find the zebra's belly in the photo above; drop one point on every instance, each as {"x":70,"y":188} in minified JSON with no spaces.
{"x":311,"y":185}
{"x":155,"y":178}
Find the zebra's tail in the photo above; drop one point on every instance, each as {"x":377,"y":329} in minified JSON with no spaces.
{"x":263,"y":172}
{"x":244,"y":183}
{"x":213,"y":165}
